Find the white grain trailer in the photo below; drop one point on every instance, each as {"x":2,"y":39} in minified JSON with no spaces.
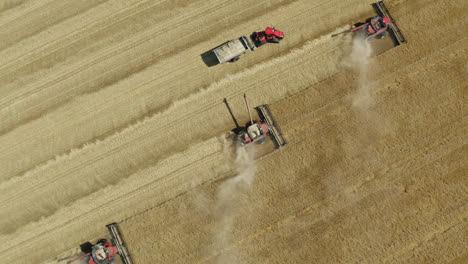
{"x":233,"y":49}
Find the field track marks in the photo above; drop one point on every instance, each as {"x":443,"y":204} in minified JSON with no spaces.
{"x":312,"y":185}
{"x":96,"y":162}
{"x":8,"y":5}
{"x":437,"y":149}
{"x":271,"y":8}
{"x":21,"y":28}
{"x":165,"y":173}
{"x":93,"y":83}
{"x":36,"y":110}
{"x":450,"y":240}
{"x":88,"y":117}
{"x":396,"y":185}
{"x":24,"y":8}
{"x":74,"y":43}
{"x":435,"y":61}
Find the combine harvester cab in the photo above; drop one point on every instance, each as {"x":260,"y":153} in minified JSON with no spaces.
{"x":257,"y":131}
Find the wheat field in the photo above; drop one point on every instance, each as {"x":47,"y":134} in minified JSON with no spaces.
{"x":109,"y":114}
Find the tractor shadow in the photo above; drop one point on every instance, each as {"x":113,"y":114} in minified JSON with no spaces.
{"x":209,"y":58}
{"x":253,"y":39}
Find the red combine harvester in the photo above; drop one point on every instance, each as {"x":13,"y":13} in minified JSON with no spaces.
{"x":379,"y":26}
{"x":101,"y":253}
{"x":270,"y":35}
{"x":257,"y":131}
{"x":104,"y":253}
{"x":376,"y":27}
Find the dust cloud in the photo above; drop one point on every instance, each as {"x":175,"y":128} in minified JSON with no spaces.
{"x":361,"y":61}
{"x":369,"y":123}
{"x":363,"y":100}
{"x":228,"y":201}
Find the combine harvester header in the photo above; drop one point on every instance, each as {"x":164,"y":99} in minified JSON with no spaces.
{"x":275,"y":130}
{"x":119,"y":242}
{"x":395,"y":31}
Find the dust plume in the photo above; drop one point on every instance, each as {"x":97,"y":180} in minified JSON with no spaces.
{"x":369,"y":124}
{"x":364,"y":99}
{"x":361,"y":61}
{"x":229,"y":201}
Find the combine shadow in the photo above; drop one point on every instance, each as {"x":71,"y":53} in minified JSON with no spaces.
{"x":86,"y":247}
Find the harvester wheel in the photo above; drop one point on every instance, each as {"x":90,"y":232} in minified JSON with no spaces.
{"x":382,"y":35}
{"x":253,"y":37}
{"x":102,"y":241}
{"x":262,"y":141}
{"x":275,"y":40}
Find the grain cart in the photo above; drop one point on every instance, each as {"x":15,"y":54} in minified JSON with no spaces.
{"x":233,"y":49}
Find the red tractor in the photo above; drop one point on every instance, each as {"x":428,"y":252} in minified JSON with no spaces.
{"x":270,"y":35}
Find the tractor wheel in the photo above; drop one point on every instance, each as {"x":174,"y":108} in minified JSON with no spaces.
{"x":235,"y":59}
{"x":253,"y":37}
{"x":262,"y":141}
{"x":382,"y":35}
{"x":275,"y":40}
{"x":259,"y":44}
